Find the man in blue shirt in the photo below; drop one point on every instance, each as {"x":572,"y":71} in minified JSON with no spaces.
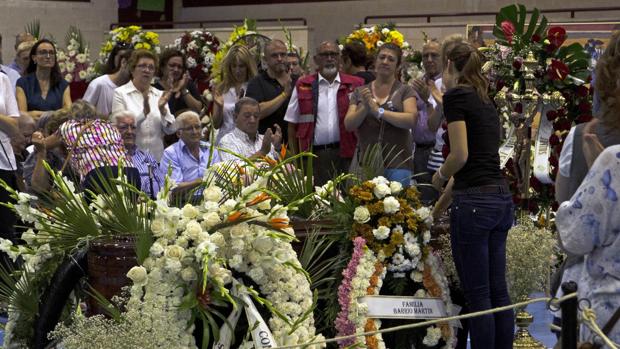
{"x":151,"y":179}
{"x":188,"y":158}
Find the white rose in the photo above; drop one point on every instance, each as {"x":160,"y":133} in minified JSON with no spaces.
{"x":213,"y":193}
{"x":193,"y":230}
{"x":228,"y":206}
{"x":262,"y":244}
{"x":188,"y":274}
{"x":380,"y":180}
{"x":391,"y":205}
{"x":182,"y":242}
{"x":413,"y":249}
{"x":174,"y":252}
{"x":138,"y":275}
{"x":173,"y":265}
{"x":189,"y":211}
{"x":361,"y":214}
{"x":156,"y":249}
{"x":416,"y":276}
{"x":381,"y":190}
{"x":211,"y":219}
{"x":433,"y":334}
{"x":218,"y":239}
{"x":381,"y":233}
{"x":424,"y":212}
{"x":157,"y":226}
{"x":395,"y":187}
{"x":420,"y":294}
{"x":385,"y":31}
{"x":239,"y":231}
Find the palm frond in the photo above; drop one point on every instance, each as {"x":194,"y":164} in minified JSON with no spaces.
{"x":18,"y":292}
{"x":34,"y":28}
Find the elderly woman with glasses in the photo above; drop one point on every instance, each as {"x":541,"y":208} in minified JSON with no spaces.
{"x":43,"y":87}
{"x":149,"y":104}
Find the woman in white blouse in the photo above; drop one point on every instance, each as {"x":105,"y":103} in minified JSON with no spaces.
{"x":238,"y":68}
{"x":149,"y":104}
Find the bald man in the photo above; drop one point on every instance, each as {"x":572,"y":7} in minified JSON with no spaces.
{"x":322,"y":130}
{"x":272,"y":88}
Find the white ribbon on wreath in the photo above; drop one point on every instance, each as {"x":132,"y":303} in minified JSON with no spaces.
{"x":542,"y":149}
{"x":261,"y":334}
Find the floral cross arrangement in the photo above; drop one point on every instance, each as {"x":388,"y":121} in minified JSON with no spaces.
{"x":391,"y":236}
{"x":563,"y":68}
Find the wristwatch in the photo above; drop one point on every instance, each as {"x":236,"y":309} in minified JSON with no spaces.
{"x":380,"y":113}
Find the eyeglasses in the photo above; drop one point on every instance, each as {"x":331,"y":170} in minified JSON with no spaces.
{"x":329,"y":54}
{"x":124,"y":127}
{"x":191,"y":128}
{"x":46,"y":53}
{"x":146,"y":67}
{"x":173,"y":65}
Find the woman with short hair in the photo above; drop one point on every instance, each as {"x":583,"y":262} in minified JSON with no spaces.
{"x":149,"y":104}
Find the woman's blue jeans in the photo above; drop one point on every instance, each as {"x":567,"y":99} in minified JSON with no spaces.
{"x":479,"y":224}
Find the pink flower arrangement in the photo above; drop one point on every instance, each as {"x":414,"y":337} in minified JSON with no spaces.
{"x":343,"y":324}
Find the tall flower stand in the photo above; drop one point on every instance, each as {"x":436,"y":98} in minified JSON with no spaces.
{"x":523,"y":339}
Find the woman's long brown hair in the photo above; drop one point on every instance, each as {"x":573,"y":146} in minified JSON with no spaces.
{"x":468,"y":63}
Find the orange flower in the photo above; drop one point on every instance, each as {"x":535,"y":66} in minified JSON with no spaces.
{"x":269,"y":160}
{"x":283,"y":152}
{"x":258,"y":199}
{"x":279,"y":223}
{"x":240,"y":169}
{"x":235,"y":216}
{"x":429,"y":282}
{"x":371,"y":341}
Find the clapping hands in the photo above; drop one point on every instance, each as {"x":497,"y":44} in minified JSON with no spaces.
{"x":272,"y":138}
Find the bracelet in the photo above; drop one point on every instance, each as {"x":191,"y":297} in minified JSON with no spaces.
{"x":443,"y":178}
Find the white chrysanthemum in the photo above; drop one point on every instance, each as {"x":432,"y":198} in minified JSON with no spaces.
{"x":395,"y":187}
{"x":191,"y":62}
{"x":433,"y":335}
{"x":398,"y":258}
{"x":416,"y":276}
{"x":188,"y":274}
{"x":262,"y":244}
{"x":413,"y":249}
{"x":381,"y":233}
{"x":391,"y":205}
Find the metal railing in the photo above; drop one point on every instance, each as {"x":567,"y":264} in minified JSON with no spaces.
{"x":203,"y":23}
{"x":429,"y":16}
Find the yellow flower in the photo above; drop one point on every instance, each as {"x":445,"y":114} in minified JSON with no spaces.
{"x":108,"y":47}
{"x":146,"y":46}
{"x":134,"y":28}
{"x":123,"y":36}
{"x":139,"y":45}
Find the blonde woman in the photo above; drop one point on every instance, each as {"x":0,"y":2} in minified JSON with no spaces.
{"x":238,"y":68}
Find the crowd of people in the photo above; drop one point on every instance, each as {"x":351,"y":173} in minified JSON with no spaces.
{"x":146,"y":114}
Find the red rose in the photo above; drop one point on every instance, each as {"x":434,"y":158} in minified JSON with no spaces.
{"x":499,"y":84}
{"x":445,"y":150}
{"x":585,"y":107}
{"x":582,"y":91}
{"x":519,"y":108}
{"x":516,"y":200}
{"x":554,"y":140}
{"x":552,"y":115}
{"x":535,"y":184}
{"x":536,"y":38}
{"x":555,"y":205}
{"x":556,"y":36}
{"x":584,"y":118}
{"x":509,"y":30}
{"x":553,"y":160}
{"x":517,"y":63}
{"x":532,"y":206}
{"x":557,"y":70}
{"x":561,"y":111}
{"x":562,"y":124}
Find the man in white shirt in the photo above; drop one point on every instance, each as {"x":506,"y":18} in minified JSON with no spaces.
{"x":315,"y":114}
{"x":9,"y":115}
{"x":245,"y":139}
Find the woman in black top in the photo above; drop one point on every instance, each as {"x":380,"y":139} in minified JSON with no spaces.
{"x":173,"y":76}
{"x":482,"y":208}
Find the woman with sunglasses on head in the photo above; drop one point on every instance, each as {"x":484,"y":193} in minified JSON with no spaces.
{"x":149,"y":104}
{"x":100,"y":92}
{"x":383,"y":112}
{"x":482,"y":208}
{"x":173,"y":77}
{"x":43,"y":87}
{"x":238,"y":68}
